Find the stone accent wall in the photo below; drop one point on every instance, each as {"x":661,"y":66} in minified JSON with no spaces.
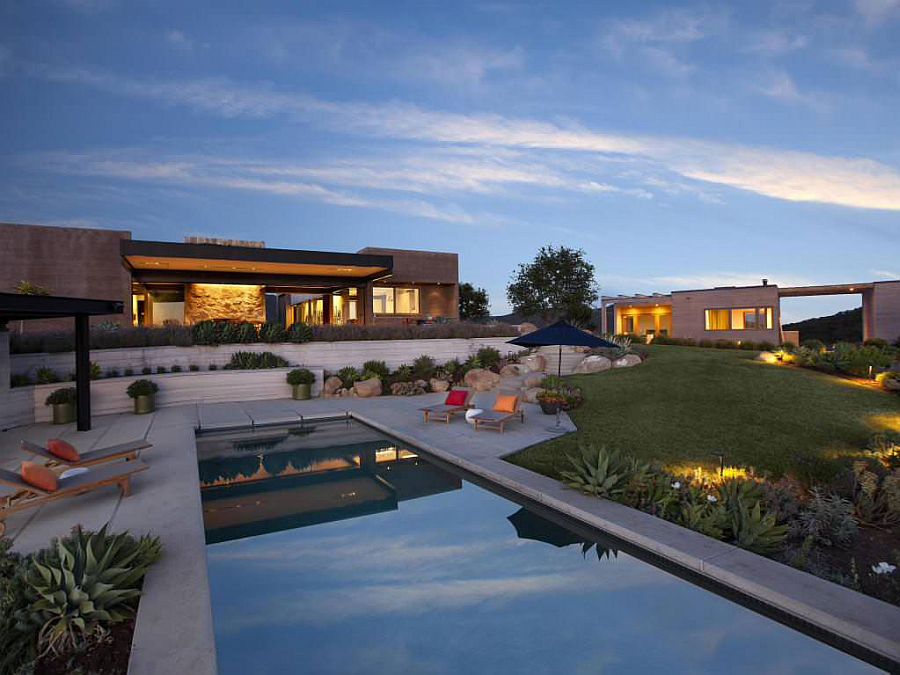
{"x":885,"y":311}
{"x":224,"y":301}
{"x":689,"y":318}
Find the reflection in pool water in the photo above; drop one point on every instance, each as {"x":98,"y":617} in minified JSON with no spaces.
{"x":372,"y":560}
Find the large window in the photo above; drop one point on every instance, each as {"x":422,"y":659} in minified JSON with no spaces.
{"x":395,"y":300}
{"x":739,"y":318}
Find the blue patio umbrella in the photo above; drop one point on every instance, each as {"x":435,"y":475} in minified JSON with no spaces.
{"x":561,"y":334}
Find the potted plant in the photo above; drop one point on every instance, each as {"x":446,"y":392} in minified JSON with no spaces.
{"x":551,"y":401}
{"x":63,"y":402}
{"x":144,"y":394}
{"x":301,"y":381}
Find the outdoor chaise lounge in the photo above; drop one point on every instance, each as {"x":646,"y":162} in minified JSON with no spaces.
{"x":457,"y":401}
{"x":507,"y":407}
{"x":27,"y":495}
{"x":68,"y":456}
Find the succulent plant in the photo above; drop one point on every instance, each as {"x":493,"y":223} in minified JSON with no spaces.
{"x":757,"y":531}
{"x":599,"y":472}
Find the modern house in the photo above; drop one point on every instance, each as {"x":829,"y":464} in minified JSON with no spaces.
{"x":737,"y":313}
{"x":166,"y":283}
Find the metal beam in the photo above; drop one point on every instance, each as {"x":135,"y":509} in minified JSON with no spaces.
{"x":83,"y":371}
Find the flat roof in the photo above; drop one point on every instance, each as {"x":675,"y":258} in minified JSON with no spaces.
{"x":210,"y":258}
{"x":827,"y":289}
{"x":20,"y":307}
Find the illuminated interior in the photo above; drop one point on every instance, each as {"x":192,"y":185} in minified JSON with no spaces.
{"x":739,"y":318}
{"x":389,"y":300}
{"x":644,"y":320}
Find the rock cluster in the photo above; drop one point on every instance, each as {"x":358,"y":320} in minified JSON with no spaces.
{"x":406,"y":389}
{"x":481,"y":379}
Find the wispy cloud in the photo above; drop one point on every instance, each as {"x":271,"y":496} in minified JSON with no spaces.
{"x":878,"y":12}
{"x":775,"y":42}
{"x":793,"y":176}
{"x":179,"y":40}
{"x":782,"y":87}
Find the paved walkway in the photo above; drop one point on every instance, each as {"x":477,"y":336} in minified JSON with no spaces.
{"x":174,"y":628}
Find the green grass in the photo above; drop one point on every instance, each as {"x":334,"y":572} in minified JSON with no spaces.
{"x":684,"y":404}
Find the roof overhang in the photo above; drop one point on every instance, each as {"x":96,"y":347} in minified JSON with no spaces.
{"x":828,"y":289}
{"x":19,"y":307}
{"x":213,"y":263}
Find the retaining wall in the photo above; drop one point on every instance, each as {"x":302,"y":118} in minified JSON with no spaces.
{"x":327,"y":355}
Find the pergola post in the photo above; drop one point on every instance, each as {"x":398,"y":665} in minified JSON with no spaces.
{"x":83,"y":371}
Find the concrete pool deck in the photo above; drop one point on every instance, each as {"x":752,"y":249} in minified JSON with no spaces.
{"x":174,"y":629}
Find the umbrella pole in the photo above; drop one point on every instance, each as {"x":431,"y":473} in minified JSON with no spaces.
{"x":558,"y":374}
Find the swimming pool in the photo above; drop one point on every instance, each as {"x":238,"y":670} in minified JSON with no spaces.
{"x":336,"y":549}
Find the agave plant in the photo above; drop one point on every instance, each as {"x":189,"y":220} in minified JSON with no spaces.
{"x":756,"y":531}
{"x":735,"y":491}
{"x":86,"y":582}
{"x":599,"y":472}
{"x":708,"y":519}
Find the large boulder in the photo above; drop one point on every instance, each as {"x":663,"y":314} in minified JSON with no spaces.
{"x":627,"y":361}
{"x":533,"y":380}
{"x":406,"y":389}
{"x":767,"y":357}
{"x":480,"y":379}
{"x":513,"y":370}
{"x":331,"y":386}
{"x":526,"y":327}
{"x":593,"y":364}
{"x":438,"y":385}
{"x":535,"y":362}
{"x":531,"y":394}
{"x":367,"y":388}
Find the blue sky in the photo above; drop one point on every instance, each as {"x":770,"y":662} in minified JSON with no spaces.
{"x":681,"y":145}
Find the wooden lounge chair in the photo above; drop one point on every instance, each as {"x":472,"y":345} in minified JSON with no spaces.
{"x":127,"y":451}
{"x":444,"y":412}
{"x":27,"y":496}
{"x":497,"y":419}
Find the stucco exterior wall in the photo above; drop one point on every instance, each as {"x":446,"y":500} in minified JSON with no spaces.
{"x":71,"y":262}
{"x":689,"y":318}
{"x":885,"y":310}
{"x":224,"y":301}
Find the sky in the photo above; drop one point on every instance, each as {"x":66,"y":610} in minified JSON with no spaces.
{"x":680,"y":145}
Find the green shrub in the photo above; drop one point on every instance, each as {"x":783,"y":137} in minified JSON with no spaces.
{"x":272,"y":333}
{"x":18,"y":640}
{"x":112,"y":372}
{"x":756,"y":531}
{"x":213,"y":366}
{"x":348,"y":376}
{"x":95,"y":372}
{"x":815,"y":345}
{"x":378,"y":368}
{"x":454,"y":370}
{"x":828,"y":520}
{"x":146,"y":370}
{"x":404,"y":373}
{"x":205,"y":333}
{"x":19,"y":381}
{"x":142,"y":388}
{"x":300,"y":376}
{"x":64,"y":395}
{"x":598,"y":471}
{"x":46,"y":375}
{"x":246,"y":333}
{"x":194,"y":368}
{"x":488,"y":357}
{"x":128,"y":372}
{"x":300,"y":333}
{"x":85,"y":583}
{"x":255,"y":361}
{"x":176,"y":368}
{"x":160,"y":370}
{"x":876,"y":342}
{"x":423,"y":367}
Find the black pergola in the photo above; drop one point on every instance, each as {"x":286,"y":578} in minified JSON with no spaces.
{"x":16,"y":307}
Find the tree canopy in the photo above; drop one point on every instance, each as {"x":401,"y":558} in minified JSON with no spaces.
{"x":558,"y":282}
{"x":473,"y":302}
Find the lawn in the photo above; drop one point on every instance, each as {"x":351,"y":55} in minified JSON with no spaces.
{"x":685,"y":404}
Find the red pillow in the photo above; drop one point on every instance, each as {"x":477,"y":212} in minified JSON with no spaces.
{"x":63,"y":450}
{"x":39,"y":476}
{"x":457,"y":397}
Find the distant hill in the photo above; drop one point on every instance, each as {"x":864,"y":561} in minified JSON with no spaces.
{"x":840,"y":327}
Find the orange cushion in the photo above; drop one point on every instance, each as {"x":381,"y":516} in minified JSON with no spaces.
{"x":456,"y":397}
{"x":39,"y":476}
{"x":63,"y":450}
{"x":505,"y":404}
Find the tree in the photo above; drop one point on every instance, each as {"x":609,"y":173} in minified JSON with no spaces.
{"x":473,"y":302}
{"x":558,"y":282}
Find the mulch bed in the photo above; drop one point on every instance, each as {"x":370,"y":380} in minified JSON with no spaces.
{"x":106,"y":657}
{"x":871,"y":546}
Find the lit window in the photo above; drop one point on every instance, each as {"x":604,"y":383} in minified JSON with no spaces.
{"x":351,"y":310}
{"x":765,"y":317}
{"x":743,"y":319}
{"x":628,"y":325}
{"x":395,"y":300}
{"x":407,"y":300}
{"x":718,"y":319}
{"x":383,"y":300}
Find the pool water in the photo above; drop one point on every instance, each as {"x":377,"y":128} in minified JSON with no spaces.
{"x":340,"y":550}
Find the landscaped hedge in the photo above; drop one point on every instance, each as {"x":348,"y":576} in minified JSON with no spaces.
{"x":210,"y":333}
{"x":714,"y":344}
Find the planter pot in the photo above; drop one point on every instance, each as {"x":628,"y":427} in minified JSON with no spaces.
{"x":550,"y":407}
{"x":63,"y":413}
{"x":144,"y":404}
{"x":301,"y":392}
